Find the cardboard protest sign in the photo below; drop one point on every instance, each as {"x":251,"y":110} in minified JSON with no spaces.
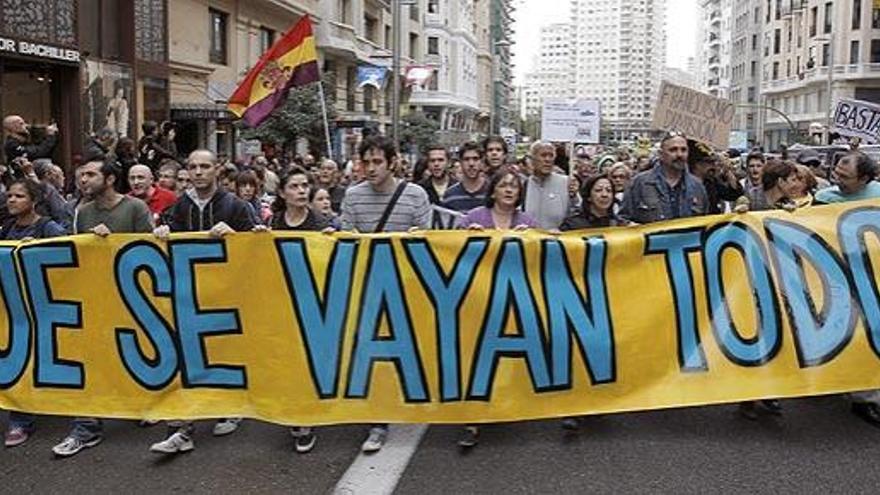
{"x":859,"y":119}
{"x":698,"y":115}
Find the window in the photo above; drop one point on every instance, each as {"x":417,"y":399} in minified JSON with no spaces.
{"x":751,"y":94}
{"x":267,"y":37}
{"x":857,"y":14}
{"x":433,"y":6}
{"x":754,"y":42}
{"x":754,"y":69}
{"x":434,"y":84}
{"x":433,"y":45}
{"x":777,"y":35}
{"x":854,"y":52}
{"x":350,"y":88}
{"x":370,"y":27}
{"x":369,"y":99}
{"x":414,"y":46}
{"x":828,"y":9}
{"x":826,"y":54}
{"x":875,"y":18}
{"x":775,"y":70}
{"x":219,"y":21}
{"x":814,"y":20}
{"x":875,"y":51}
{"x":345,"y":11}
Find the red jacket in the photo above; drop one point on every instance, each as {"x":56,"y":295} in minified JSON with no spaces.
{"x":160,"y":200}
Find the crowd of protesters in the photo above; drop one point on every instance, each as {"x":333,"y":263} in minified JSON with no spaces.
{"x":123,"y":187}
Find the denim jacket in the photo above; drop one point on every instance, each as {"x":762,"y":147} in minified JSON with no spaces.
{"x":648,"y":199}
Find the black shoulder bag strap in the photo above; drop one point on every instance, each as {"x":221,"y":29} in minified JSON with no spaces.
{"x":390,"y":208}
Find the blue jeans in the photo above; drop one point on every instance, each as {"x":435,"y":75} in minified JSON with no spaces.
{"x":21,"y":420}
{"x":85,"y":429}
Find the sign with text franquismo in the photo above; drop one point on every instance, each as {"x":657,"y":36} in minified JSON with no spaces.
{"x":443,"y":327}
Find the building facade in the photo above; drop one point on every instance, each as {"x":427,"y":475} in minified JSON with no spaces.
{"x":214,"y":43}
{"x":451,"y":95}
{"x":552,"y":75}
{"x":620,"y":52}
{"x":681,"y":77}
{"x":715,"y":42}
{"x":816,"y":52}
{"x":502,"y":31}
{"x":746,"y":57}
{"x":85,"y":66}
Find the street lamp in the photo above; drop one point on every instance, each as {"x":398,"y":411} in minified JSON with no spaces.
{"x":830,"y":87}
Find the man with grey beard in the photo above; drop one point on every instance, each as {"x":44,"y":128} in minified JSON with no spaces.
{"x":667,"y":190}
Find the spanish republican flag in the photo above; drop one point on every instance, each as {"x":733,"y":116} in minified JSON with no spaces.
{"x":291,"y":61}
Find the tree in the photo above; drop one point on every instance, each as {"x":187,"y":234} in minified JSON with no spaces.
{"x":417,"y":132}
{"x":301,"y":116}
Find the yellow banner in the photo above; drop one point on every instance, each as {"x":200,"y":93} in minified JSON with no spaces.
{"x":443,"y":327}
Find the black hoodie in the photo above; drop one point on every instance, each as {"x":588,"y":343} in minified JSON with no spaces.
{"x":185,"y":216}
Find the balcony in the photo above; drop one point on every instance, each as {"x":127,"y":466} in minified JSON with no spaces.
{"x":342,"y":40}
{"x":850,"y":72}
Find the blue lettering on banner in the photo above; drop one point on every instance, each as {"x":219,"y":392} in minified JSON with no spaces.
{"x":676,"y":245}
{"x":13,"y":359}
{"x":510,"y":290}
{"x":321,"y":318}
{"x":570,"y":314}
{"x":767,"y":341}
{"x":853,"y":228}
{"x":383,"y":294}
{"x":150,"y":373}
{"x":818,"y":337}
{"x":194,"y":325}
{"x":447,"y":293}
{"x":50,"y":314}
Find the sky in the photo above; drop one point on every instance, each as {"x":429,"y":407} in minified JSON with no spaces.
{"x":530,"y":15}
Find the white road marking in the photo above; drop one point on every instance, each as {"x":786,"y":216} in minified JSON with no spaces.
{"x":378,"y":473}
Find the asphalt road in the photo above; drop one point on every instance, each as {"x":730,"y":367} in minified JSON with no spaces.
{"x":816,"y":447}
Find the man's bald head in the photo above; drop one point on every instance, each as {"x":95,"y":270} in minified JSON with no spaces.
{"x":140,"y":179}
{"x":203,"y":172}
{"x":14,"y":124}
{"x":202,"y":156}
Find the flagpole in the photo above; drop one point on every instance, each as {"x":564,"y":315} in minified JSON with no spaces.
{"x":326,"y":122}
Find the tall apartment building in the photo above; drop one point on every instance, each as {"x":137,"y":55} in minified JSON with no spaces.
{"x":745,"y":66}
{"x":715,"y":32}
{"x":501,"y":32}
{"x":815,"y":52}
{"x":485,"y":64}
{"x":620,"y":52}
{"x":552,"y":75}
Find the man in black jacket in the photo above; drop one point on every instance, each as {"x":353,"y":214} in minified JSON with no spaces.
{"x":205,"y":207}
{"x":150,"y":149}
{"x":18,"y":141}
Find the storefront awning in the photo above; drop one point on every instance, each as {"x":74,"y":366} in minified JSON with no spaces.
{"x":200,"y":111}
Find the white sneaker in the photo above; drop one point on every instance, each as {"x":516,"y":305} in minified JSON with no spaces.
{"x":375,"y":440}
{"x":72,"y":445}
{"x":178,"y":442}
{"x":226,"y":426}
